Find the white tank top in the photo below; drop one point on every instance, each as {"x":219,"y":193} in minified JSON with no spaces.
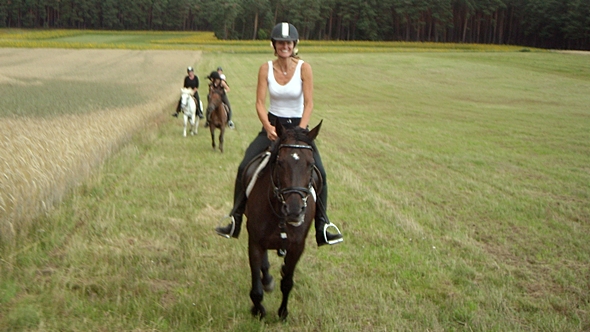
{"x":286,"y":101}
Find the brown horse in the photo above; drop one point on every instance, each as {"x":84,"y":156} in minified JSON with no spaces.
{"x":280,"y":209}
{"x":217,"y":113}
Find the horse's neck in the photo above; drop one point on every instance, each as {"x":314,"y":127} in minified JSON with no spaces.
{"x":191,"y":104}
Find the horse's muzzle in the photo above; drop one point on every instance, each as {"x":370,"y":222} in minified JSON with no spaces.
{"x":294,"y":205}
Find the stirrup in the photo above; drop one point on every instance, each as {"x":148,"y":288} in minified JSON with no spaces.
{"x":233,"y":227}
{"x":326,"y":226}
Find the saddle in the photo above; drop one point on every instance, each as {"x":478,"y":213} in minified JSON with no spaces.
{"x":260,"y":162}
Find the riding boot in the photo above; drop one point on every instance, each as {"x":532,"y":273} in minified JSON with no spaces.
{"x":230,"y":123}
{"x":235,"y":224}
{"x":208,"y":116}
{"x":177,"y":109}
{"x":322,"y":224}
{"x":198,"y":104}
{"x":233,"y":228}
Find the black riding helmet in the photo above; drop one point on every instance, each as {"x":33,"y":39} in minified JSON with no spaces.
{"x":189,"y":69}
{"x":284,"y":32}
{"x":214,"y":75}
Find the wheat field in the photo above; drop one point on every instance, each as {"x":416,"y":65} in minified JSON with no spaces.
{"x":54,"y":132}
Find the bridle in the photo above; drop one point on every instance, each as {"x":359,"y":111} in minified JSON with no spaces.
{"x":280,"y":193}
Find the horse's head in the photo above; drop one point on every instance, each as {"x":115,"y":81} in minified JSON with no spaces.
{"x":293,"y":170}
{"x":185,"y":95}
{"x":215,"y":98}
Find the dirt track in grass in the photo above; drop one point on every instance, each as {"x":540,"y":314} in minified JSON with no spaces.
{"x":60,"y":117}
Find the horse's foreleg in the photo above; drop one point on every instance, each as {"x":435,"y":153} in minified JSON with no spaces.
{"x":221,"y":139}
{"x":185,"y":123}
{"x":212,"y":129}
{"x":256,"y":256}
{"x":287,"y":271}
{"x":196,"y":125}
{"x":268,"y":282}
{"x":192,"y":124}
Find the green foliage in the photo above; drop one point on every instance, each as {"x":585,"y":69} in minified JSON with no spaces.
{"x":536,"y":23}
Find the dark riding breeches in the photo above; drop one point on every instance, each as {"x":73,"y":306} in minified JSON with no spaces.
{"x":199,"y":110}
{"x":226,"y":101}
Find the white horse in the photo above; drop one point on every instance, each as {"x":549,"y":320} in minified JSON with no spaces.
{"x":189,"y":109}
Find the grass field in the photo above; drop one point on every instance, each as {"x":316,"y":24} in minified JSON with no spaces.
{"x":460,"y":181}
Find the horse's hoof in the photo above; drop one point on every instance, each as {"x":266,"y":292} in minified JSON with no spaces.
{"x":283,"y":313}
{"x":258,"y":312}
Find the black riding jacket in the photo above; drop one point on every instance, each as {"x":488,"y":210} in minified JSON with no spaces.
{"x":193,"y":84}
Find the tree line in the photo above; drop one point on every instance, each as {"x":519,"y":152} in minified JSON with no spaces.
{"x":563,"y":24}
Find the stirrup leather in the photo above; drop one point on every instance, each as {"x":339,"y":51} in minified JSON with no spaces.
{"x":326,"y":226}
{"x":233,"y":227}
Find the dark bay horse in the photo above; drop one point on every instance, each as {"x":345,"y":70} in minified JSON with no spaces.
{"x":217,"y":115}
{"x":280,"y":209}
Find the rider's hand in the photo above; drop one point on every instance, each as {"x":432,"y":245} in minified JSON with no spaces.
{"x":271,"y":133}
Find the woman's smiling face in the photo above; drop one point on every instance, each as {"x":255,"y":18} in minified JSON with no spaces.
{"x":284,"y":48}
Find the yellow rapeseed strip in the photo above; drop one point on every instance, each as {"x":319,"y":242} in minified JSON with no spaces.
{"x":206,"y":41}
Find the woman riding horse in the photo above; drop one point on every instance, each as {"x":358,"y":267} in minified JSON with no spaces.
{"x":191,"y":81}
{"x":289,"y":82}
{"x":218,"y":84}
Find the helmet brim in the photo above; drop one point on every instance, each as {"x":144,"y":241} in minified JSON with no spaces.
{"x":285,"y":39}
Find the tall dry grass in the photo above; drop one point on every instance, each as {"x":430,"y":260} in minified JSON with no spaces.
{"x":43,"y":158}
{"x":44,"y":154}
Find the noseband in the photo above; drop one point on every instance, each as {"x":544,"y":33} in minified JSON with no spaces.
{"x":280,"y":193}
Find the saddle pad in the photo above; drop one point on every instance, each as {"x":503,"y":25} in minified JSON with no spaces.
{"x":253,"y":170}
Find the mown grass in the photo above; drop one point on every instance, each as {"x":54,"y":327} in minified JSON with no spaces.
{"x":460,"y":181}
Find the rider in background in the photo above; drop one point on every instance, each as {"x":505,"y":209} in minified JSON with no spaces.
{"x":217,"y":83}
{"x":221,"y":74}
{"x":289,"y":83}
{"x":191,"y":82}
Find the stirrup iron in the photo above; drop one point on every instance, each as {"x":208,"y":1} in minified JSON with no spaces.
{"x":326,"y":226}
{"x":233,"y":227}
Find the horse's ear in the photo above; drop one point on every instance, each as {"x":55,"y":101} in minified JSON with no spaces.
{"x":315,"y":131}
